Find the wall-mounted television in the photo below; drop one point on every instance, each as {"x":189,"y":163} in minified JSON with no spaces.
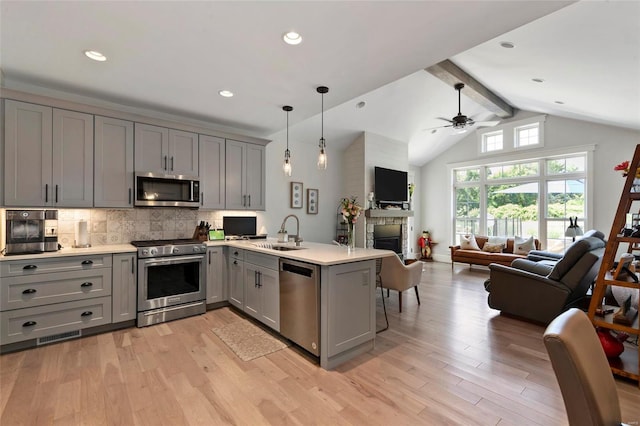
{"x":390,"y":186}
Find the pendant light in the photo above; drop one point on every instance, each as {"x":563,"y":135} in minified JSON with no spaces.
{"x":286,"y":166}
{"x":322,"y":157}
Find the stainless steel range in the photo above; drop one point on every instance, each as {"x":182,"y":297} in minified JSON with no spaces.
{"x":171,"y":280}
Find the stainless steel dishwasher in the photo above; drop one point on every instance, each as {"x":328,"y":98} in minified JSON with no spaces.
{"x":300,"y":304}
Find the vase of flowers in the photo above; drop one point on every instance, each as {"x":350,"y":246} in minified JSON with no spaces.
{"x":624,"y":168}
{"x":350,"y":210}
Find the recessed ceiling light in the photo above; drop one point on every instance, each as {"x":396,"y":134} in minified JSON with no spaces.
{"x":361,"y":104}
{"x":226,"y":93}
{"x":95,"y":55}
{"x":507,"y":44}
{"x":292,"y":37}
{"x":537,"y":80}
{"x":559,"y":102}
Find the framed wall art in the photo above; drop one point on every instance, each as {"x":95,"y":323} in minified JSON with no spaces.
{"x":296,"y":195}
{"x":312,"y":201}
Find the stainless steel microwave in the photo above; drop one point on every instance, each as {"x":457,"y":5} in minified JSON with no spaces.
{"x":158,"y":190}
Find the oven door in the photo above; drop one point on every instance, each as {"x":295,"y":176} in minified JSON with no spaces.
{"x":170,"y":281}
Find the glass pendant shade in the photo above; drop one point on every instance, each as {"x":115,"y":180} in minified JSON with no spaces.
{"x":286,"y":166}
{"x":322,"y":157}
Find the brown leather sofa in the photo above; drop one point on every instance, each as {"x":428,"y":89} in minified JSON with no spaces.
{"x":479,"y":257}
{"x":538,"y":291}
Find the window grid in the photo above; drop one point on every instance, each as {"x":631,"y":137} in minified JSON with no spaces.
{"x":492,"y":141}
{"x":527,"y":135}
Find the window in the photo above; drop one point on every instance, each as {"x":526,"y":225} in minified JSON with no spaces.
{"x":512,"y":136}
{"x":531,"y":197}
{"x":492,"y":141}
{"x":527,"y":135}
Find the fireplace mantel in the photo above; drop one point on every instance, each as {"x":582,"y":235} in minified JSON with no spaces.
{"x":388,"y":213}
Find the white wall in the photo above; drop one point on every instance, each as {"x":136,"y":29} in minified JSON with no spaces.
{"x":613,"y":145}
{"x":304,"y":156}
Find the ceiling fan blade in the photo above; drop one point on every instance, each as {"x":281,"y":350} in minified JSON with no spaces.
{"x":487,"y":123}
{"x":436,"y":128}
{"x":445,"y":119}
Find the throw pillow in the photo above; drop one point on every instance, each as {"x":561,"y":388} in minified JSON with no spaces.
{"x":492,"y":248}
{"x":523,"y":245}
{"x":499,"y":240}
{"x":468,"y":242}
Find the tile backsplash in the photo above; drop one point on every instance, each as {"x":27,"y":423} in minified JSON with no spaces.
{"x":111,"y":226}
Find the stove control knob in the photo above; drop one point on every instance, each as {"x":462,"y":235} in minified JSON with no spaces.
{"x":145,"y":252}
{"x":196,"y":249}
{"x":153,"y":251}
{"x":175,"y":250}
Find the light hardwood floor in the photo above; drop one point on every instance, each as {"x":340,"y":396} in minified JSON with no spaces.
{"x":451,"y":360}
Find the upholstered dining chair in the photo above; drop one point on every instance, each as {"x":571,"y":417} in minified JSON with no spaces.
{"x":588,"y":388}
{"x":395,"y":275}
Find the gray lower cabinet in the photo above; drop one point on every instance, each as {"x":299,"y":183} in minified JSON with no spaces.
{"x":262,"y":288}
{"x":124,"y":295}
{"x":215,"y":275}
{"x":235,"y":276}
{"x":113,"y":163}
{"x":42,"y":298}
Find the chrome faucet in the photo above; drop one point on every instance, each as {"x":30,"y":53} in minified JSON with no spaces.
{"x":297,"y":238}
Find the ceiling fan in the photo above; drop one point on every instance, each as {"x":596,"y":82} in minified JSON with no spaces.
{"x":461,"y":123}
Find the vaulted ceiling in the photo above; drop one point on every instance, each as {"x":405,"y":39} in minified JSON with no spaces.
{"x":174,"y":57}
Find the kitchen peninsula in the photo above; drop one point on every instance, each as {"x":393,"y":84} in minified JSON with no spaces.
{"x":246,"y":271}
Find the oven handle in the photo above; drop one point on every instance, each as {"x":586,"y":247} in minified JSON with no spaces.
{"x":173,"y":260}
{"x":174,"y":308}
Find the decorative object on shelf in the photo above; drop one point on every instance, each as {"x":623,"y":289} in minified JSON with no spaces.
{"x":296,"y":195}
{"x":322,"y":157}
{"x":412,"y":186}
{"x":612,"y":346}
{"x":312,"y":201}
{"x":350,"y":210}
{"x":573,"y":230}
{"x":371,"y":198}
{"x":624,"y":168}
{"x":286,"y":166}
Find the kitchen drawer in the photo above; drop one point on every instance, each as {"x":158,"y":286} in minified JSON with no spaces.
{"x":235,"y":253}
{"x":266,"y":260}
{"x":58,"y":264}
{"x":41,"y":321}
{"x":57,"y":287}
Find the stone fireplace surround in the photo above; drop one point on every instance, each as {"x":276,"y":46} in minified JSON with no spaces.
{"x":388,"y":217}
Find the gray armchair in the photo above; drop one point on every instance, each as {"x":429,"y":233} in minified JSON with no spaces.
{"x":540,"y":291}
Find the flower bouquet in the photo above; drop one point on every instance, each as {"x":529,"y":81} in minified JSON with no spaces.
{"x":624,"y":168}
{"x":350,"y":210}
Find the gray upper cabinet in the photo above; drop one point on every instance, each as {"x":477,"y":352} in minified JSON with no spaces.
{"x":212,"y":172}
{"x":48,"y":156}
{"x":113,"y":163}
{"x":165,"y":151}
{"x":245,"y":176}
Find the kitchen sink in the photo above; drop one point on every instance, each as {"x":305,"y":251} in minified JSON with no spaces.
{"x":287,"y":248}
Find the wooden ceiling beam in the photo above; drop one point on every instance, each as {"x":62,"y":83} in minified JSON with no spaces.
{"x":451,"y":74}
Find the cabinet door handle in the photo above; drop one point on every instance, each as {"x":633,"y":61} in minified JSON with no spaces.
{"x":56,"y":193}
{"x":86,"y":314}
{"x":29,"y":267}
{"x":202,"y":198}
{"x":132,"y":266}
{"x":29,"y":291}
{"x":165,"y":162}
{"x":87,"y":262}
{"x":249,"y":196}
{"x":46,"y":192}
{"x":171,"y":163}
{"x":209,"y":258}
{"x":87,"y":284}
{"x":129,"y":195}
{"x":29,"y":324}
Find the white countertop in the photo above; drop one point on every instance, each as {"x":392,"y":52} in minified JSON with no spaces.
{"x":105,"y":249}
{"x":317,"y":253}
